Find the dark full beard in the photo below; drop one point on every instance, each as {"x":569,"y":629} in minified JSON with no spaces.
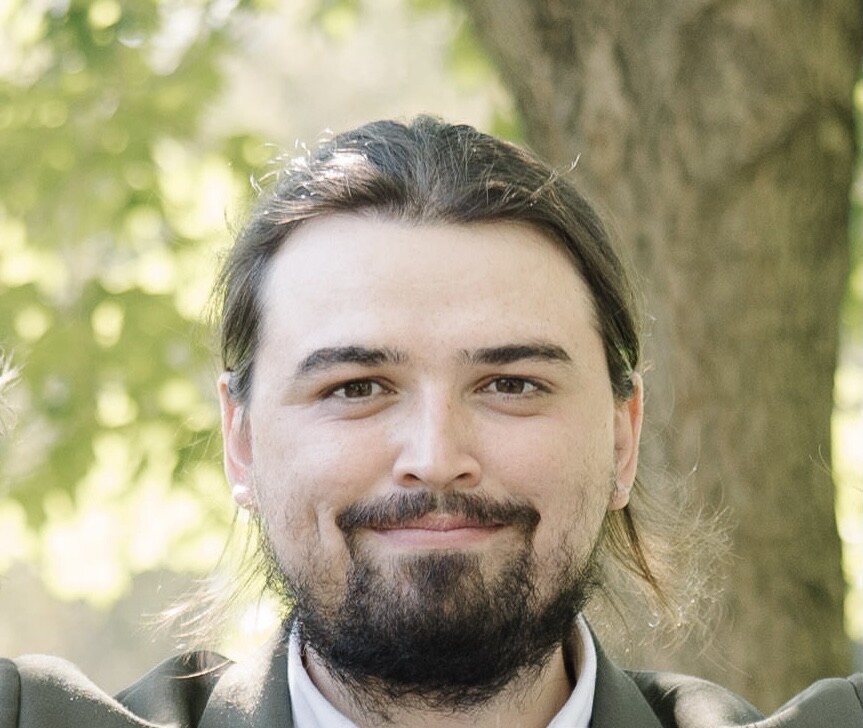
{"x":434,"y":631}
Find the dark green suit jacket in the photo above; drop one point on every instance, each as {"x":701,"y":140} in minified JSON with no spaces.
{"x":203,"y":690}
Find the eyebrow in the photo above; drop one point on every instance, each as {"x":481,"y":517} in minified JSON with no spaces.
{"x":511,"y":353}
{"x":326,"y":358}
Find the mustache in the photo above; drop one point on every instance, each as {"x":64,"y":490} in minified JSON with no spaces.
{"x":399,"y":508}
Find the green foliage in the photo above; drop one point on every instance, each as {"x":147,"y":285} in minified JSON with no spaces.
{"x":111,"y":216}
{"x":430,"y":5}
{"x":468,"y":62}
{"x":337,"y":18}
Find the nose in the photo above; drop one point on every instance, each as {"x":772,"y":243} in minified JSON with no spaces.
{"x":436,"y":447}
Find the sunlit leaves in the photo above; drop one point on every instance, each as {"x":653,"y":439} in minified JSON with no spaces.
{"x":337,"y":18}
{"x":112,"y":214}
{"x":468,"y":63}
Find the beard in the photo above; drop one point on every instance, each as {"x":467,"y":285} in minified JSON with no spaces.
{"x":435,"y":630}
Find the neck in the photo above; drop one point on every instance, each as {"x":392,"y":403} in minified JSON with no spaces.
{"x":531,"y":700}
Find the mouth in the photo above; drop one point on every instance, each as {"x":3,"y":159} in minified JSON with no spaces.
{"x":438,"y":530}
{"x":430,"y":520}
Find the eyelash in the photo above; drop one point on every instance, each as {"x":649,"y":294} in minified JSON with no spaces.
{"x":537,"y":387}
{"x":334,"y":392}
{"x":532,"y":385}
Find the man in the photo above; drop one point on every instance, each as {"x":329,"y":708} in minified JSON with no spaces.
{"x":431,"y":406}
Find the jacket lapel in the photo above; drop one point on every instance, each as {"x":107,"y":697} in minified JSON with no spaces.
{"x":253,"y":693}
{"x":617,"y":701}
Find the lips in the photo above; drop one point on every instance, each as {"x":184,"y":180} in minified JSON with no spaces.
{"x":437,"y":531}
{"x":432,"y":512}
{"x":440,"y":522}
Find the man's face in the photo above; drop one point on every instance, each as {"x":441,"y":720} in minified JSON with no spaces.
{"x":431,"y":412}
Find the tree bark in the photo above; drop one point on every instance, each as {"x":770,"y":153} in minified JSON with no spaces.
{"x":719,"y":136}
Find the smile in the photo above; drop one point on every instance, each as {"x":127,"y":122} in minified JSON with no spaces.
{"x":438,"y":531}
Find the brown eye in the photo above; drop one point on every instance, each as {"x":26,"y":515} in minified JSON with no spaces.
{"x":512,"y":386}
{"x":358,"y":389}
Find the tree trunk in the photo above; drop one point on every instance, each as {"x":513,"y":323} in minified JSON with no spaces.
{"x":719,"y":136}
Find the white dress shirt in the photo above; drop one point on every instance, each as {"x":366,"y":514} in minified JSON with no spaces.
{"x":311,"y":709}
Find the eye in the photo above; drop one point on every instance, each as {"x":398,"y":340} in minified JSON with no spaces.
{"x":512,"y":386}
{"x":357,"y":389}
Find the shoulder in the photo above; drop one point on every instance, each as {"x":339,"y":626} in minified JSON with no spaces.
{"x":681,"y":701}
{"x":38,"y":690}
{"x":177,"y":690}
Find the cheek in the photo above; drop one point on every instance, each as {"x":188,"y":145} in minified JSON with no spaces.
{"x":303,"y":481}
{"x":572,"y":516}
{"x":299,"y":515}
{"x":567,"y":477}
{"x":570,"y":453}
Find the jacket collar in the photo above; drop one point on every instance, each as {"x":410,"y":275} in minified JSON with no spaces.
{"x":253,"y":693}
{"x":618,"y":701}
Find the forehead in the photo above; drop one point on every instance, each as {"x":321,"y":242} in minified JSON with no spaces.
{"x":350,"y":278}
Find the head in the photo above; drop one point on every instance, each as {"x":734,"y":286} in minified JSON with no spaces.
{"x":431,"y":404}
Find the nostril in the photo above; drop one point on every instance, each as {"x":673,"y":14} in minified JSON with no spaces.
{"x":464,"y":473}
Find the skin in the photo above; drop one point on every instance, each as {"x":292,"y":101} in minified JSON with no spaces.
{"x":453,"y":404}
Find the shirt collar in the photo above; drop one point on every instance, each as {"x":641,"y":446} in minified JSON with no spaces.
{"x":312,"y":710}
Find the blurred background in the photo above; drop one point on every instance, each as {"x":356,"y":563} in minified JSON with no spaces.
{"x":129,"y":133}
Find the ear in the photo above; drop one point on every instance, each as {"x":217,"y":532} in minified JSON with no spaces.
{"x":628,"y":415}
{"x":237,"y":446}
